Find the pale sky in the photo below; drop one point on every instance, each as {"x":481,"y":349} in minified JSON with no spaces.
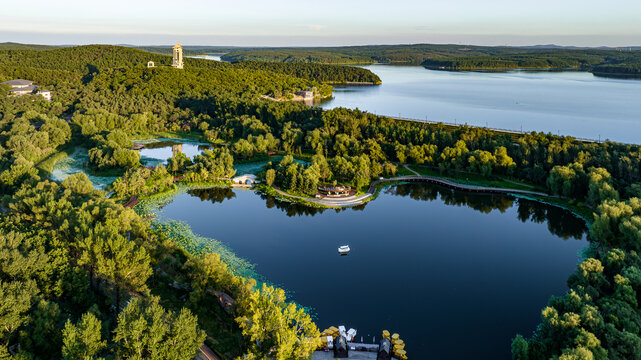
{"x":322,"y":23}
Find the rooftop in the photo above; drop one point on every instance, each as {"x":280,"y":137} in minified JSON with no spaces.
{"x":24,"y":88}
{"x":18,"y":82}
{"x":334,"y":188}
{"x":245,"y":177}
{"x":359,"y":355}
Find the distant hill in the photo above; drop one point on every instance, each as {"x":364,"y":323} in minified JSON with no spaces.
{"x":188,"y":50}
{"x":85,"y":62}
{"x":18,"y":46}
{"x":605,"y":61}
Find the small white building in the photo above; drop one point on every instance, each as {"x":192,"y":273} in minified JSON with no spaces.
{"x":45,"y":94}
{"x":306,"y":95}
{"x":247,"y":179}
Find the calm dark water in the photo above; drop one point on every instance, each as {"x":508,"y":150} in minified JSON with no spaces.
{"x":570,"y":103}
{"x":158,"y":152}
{"x":457,"y":275}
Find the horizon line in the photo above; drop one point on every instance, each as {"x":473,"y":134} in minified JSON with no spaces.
{"x":328,"y":46}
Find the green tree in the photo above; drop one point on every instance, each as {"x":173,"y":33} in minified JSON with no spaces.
{"x":44,"y":336}
{"x":569,"y":181}
{"x":16,"y":298}
{"x":121,"y":260}
{"x":147,"y":331}
{"x":618,"y":224}
{"x":278,"y":329}
{"x":83,"y":340}
{"x":178,"y":163}
{"x":270,"y":176}
{"x":600,"y":186}
{"x":519,"y":348}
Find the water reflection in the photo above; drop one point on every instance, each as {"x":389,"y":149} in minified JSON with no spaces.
{"x":560,"y":222}
{"x":479,"y":202}
{"x":158,"y":151}
{"x":213,"y":195}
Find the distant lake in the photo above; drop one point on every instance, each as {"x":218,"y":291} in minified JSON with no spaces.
{"x":207,"y":57}
{"x":456,"y":274}
{"x":569,"y":103}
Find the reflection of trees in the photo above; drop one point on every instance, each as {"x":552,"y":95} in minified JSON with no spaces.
{"x":215,"y":195}
{"x":425,"y":192}
{"x":290,"y":208}
{"x":160,"y":144}
{"x":561,"y":223}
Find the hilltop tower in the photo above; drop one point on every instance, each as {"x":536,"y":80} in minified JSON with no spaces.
{"x":178,"y":57}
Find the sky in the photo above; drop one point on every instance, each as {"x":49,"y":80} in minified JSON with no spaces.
{"x":322,"y":23}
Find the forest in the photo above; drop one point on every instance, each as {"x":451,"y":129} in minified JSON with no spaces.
{"x":459,"y":57}
{"x":85,"y":277}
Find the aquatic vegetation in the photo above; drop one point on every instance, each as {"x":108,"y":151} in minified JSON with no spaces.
{"x":76,"y":162}
{"x":182,"y":234}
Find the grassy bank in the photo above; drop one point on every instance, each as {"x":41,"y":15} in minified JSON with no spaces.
{"x":468,"y":178}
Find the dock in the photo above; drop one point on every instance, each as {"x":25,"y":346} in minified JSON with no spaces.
{"x":358,"y":351}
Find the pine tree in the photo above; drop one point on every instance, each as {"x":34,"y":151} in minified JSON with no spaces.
{"x":84,"y":340}
{"x":147,"y":331}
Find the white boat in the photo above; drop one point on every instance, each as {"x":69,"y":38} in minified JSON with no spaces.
{"x":344,"y":249}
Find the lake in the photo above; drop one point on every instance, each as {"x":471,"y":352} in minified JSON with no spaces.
{"x":456,"y":274}
{"x":567,"y":103}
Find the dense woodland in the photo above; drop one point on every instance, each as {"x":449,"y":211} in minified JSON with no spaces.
{"x":459,"y":57}
{"x":298,"y":56}
{"x":84,"y":277}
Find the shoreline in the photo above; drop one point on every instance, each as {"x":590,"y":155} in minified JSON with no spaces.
{"x":376,"y":186}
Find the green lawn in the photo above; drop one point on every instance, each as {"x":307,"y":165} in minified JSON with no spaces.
{"x":477,"y":179}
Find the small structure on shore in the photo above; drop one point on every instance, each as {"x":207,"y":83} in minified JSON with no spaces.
{"x":338,"y":343}
{"x":341,"y":350}
{"x":335,"y":189}
{"x":247,"y":179}
{"x":384,"y":350}
{"x":306,"y":94}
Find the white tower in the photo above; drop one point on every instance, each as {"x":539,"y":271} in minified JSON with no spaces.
{"x":178,"y":57}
